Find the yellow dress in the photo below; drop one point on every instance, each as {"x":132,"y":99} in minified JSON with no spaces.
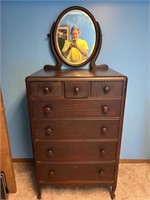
{"x":74,"y":54}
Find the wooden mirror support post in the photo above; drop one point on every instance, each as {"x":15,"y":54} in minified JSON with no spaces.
{"x":57,"y":59}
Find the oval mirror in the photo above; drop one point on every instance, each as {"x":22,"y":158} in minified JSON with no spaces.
{"x":75,"y":36}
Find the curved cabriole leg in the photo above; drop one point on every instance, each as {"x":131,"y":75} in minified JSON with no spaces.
{"x":113,"y":192}
{"x":113,"y":195}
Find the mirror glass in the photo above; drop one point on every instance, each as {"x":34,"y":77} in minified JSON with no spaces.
{"x":75,"y":37}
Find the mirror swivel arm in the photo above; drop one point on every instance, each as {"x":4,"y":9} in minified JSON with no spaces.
{"x":58,"y":61}
{"x":93,"y":66}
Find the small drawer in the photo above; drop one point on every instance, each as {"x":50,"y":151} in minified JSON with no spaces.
{"x":59,"y":173}
{"x":76,"y":151}
{"x":106,"y":88}
{"x":46,"y":88}
{"x":76,"y":129}
{"x":77,"y":89}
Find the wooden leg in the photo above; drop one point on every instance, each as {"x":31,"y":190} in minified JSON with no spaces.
{"x":113,"y":195}
{"x":39,"y":193}
{"x":113,"y":192}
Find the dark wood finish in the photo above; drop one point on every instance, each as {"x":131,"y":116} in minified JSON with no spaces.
{"x":76,"y":174}
{"x":47,"y":89}
{"x":106,"y":89}
{"x":76,"y":119}
{"x":80,"y":128}
{"x":70,"y":150}
{"x":77,"y":89}
{"x":75,"y":108}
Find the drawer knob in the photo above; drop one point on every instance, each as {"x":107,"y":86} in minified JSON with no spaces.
{"x":104,"y":130}
{"x":46,"y":90}
{"x":76,"y":90}
{"x":51,"y":173}
{"x":102,"y":152}
{"x":50,"y":153}
{"x":101,"y":172}
{"x":47,"y":110}
{"x":105,"y":109}
{"x":48,"y":131}
{"x":106,"y":89}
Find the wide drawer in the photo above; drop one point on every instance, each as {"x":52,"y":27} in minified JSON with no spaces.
{"x":76,"y":151}
{"x":75,"y":129}
{"x":106,"y":89}
{"x":76,"y":108}
{"x":56,"y":173}
{"x":77,"y":89}
{"x":47,"y":89}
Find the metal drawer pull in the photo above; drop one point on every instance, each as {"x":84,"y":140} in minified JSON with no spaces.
{"x":47,"y":110}
{"x":48,"y":131}
{"x":50,"y":153}
{"x":105,"y":109}
{"x":51,"y":174}
{"x":76,"y":90}
{"x":106,"y":89}
{"x":46,"y":90}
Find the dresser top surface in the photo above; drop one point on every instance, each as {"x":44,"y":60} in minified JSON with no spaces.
{"x":76,"y":74}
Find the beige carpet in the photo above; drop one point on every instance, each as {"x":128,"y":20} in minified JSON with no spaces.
{"x":133,"y":184}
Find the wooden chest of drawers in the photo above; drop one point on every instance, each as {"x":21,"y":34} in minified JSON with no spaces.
{"x":76,"y":120}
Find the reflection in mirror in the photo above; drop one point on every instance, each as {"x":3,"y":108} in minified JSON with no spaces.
{"x":76,"y":37}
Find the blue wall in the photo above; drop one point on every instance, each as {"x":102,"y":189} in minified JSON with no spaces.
{"x":125,"y":27}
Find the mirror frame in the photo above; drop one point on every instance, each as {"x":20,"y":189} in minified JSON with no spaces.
{"x":53,"y":43}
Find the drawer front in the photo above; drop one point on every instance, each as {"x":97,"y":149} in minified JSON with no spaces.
{"x":75,"y":108}
{"x":47,"y":89}
{"x":106,"y":89}
{"x":76,"y":151}
{"x":77,"y":89}
{"x":75,"y":172}
{"x":75,"y":129}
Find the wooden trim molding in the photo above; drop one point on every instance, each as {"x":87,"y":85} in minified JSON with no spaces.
{"x":134,"y":161}
{"x":30,"y":160}
{"x":22,"y":160}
